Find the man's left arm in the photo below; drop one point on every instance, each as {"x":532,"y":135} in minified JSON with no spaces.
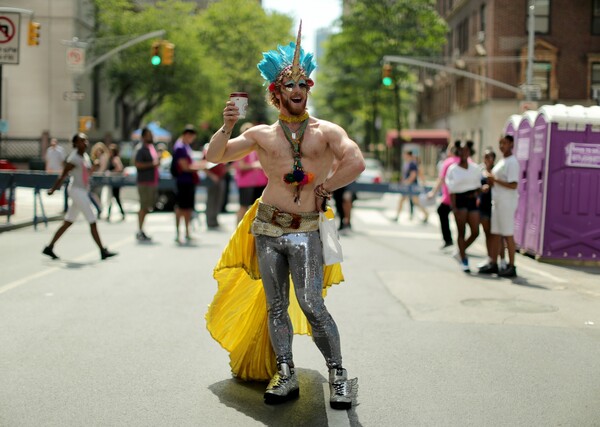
{"x":350,"y":161}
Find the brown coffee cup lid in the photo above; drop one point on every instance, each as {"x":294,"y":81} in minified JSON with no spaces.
{"x":238,"y":95}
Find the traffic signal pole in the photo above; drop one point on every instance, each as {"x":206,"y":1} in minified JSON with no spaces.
{"x":124,"y":46}
{"x":398,"y":125}
{"x":415,"y":62}
{"x":103,"y":58}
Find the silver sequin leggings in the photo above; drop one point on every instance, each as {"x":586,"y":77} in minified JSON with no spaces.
{"x":298,"y":254}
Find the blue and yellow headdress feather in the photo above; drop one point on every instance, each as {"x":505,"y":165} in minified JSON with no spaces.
{"x":290,"y":59}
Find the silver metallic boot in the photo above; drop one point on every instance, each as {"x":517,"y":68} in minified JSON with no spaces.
{"x":342,"y":390}
{"x":283,"y":386}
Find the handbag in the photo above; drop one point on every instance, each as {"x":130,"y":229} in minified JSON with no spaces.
{"x":332,"y":249}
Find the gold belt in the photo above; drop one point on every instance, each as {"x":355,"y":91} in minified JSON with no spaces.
{"x":272,"y":222}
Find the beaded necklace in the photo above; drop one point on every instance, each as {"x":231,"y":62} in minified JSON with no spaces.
{"x":297,"y":177}
{"x":293,"y":119}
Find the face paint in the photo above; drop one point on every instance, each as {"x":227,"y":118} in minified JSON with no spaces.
{"x":290,"y":84}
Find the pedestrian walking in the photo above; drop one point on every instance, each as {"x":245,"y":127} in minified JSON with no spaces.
{"x":79,"y":167}
{"x":55,"y":157}
{"x":115,"y":168}
{"x":485,"y":207}
{"x":444,"y":208}
{"x":410,"y":177}
{"x":297,"y":153}
{"x":185,"y":172}
{"x":215,"y":191}
{"x":100,"y":156}
{"x":464,"y":183}
{"x":146,"y":163}
{"x":503,"y":179}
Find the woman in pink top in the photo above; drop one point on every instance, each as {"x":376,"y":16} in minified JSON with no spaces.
{"x":444,"y":208}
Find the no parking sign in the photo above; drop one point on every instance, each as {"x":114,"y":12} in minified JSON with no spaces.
{"x":9,"y":38}
{"x":76,"y":59}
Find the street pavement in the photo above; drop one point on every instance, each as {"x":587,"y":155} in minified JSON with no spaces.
{"x":123,"y":342}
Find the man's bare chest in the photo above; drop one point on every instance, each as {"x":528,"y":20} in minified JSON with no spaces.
{"x":310,"y":147}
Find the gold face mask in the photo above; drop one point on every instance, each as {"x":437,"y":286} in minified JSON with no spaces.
{"x":290,"y":84}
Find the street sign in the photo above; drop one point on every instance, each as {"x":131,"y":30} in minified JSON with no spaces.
{"x":9,"y":38}
{"x":76,"y":59}
{"x":75,"y":95}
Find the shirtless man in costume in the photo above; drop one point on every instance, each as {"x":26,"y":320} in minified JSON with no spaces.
{"x":297,"y":154}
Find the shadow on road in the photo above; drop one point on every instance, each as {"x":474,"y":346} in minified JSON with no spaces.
{"x":308,"y":410}
{"x":521,"y":281}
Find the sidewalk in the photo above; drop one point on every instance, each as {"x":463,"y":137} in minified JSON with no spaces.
{"x":24,"y":209}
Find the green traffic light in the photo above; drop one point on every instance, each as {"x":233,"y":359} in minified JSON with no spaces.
{"x":155,"y":60}
{"x":387,"y":81}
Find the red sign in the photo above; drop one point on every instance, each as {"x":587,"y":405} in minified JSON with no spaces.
{"x":9,"y":38}
{"x":8,"y":29}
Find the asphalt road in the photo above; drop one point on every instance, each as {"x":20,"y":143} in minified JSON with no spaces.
{"x":123,"y":342}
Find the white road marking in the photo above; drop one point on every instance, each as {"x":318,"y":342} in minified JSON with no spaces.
{"x":370,"y":217}
{"x":335,"y":417}
{"x":406,"y":234}
{"x":31,"y":277}
{"x":541,"y":273}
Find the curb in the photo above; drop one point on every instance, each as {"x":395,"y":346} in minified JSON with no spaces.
{"x":26,"y":223}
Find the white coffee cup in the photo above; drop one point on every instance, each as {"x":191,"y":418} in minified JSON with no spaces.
{"x":241,"y":101}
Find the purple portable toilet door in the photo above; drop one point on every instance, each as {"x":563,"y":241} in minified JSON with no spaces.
{"x":571,"y":220}
{"x":535,"y":190}
{"x":521,"y":152}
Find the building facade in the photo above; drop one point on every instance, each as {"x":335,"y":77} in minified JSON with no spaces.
{"x":490,"y":38}
{"x":47,"y":92}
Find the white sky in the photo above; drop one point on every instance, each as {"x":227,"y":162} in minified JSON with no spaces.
{"x":315,"y":14}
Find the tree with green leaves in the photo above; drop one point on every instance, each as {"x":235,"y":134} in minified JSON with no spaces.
{"x":350,"y":89}
{"x":216,"y":51}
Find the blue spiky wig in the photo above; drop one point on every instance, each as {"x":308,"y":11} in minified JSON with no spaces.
{"x":286,"y":61}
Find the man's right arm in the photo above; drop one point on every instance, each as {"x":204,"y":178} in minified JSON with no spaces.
{"x":221,"y":149}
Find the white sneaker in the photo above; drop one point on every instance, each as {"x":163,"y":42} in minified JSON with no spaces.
{"x":465,"y":265}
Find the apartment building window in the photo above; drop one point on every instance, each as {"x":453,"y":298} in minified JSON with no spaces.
{"x":451,"y":43}
{"x":482,"y":22}
{"x":541,"y":78}
{"x":596,"y":17}
{"x":542,"y":16}
{"x":463,"y":36}
{"x":595,"y":80}
{"x":596,"y":74}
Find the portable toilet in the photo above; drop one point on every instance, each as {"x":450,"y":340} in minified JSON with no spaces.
{"x":521,"y":150}
{"x":536,"y":164}
{"x":563,"y":211}
{"x":510,"y":128}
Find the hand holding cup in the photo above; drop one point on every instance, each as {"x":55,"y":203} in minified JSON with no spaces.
{"x":240,"y":99}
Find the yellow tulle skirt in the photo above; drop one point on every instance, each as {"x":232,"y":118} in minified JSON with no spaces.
{"x":237,"y":316}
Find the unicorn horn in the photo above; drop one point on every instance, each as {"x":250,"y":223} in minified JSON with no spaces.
{"x":296,"y":61}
